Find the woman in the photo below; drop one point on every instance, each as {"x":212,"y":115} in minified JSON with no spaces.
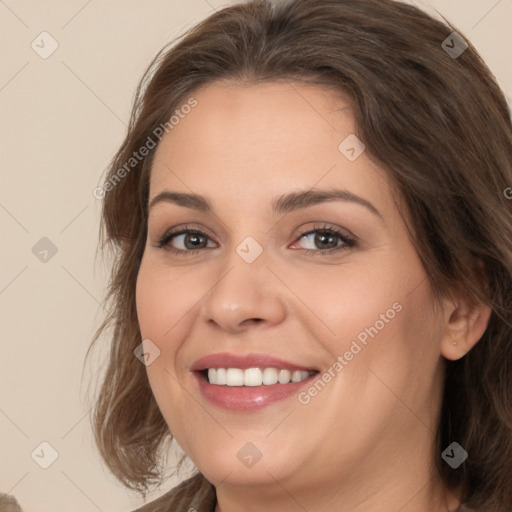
{"x":313,"y":230}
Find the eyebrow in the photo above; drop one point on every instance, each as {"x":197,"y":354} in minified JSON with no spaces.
{"x":283,"y":204}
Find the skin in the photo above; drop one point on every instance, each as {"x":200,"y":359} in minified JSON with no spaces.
{"x":366,"y":441}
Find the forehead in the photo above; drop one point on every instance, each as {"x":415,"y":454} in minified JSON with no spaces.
{"x":243,"y":117}
{"x":266,"y":138}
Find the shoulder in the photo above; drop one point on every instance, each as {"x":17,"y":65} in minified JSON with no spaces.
{"x":8,"y":503}
{"x":195,"y":494}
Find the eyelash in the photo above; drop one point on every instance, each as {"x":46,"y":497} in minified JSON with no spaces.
{"x":348,"y":241}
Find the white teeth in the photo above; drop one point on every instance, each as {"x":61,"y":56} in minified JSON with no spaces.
{"x":234,"y":377}
{"x":254,"y":376}
{"x":297,"y":376}
{"x":284,"y":376}
{"x":270,"y":376}
{"x":221,"y":376}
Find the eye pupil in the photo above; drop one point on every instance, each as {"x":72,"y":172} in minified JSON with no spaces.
{"x":323,"y":238}
{"x":195,"y":240}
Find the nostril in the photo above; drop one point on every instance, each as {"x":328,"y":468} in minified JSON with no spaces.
{"x":252,"y":321}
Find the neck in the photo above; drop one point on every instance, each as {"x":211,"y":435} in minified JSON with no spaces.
{"x":430,"y":498}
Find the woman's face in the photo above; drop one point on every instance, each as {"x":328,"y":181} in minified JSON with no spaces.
{"x":303,"y":257}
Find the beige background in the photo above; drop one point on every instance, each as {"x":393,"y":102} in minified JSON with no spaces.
{"x":62,"y":119}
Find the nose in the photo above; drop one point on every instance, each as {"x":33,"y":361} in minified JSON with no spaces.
{"x":246,"y":294}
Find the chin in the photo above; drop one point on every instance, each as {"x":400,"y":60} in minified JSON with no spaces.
{"x":242,"y":463}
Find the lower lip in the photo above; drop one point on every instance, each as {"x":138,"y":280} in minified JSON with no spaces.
{"x":248,"y":398}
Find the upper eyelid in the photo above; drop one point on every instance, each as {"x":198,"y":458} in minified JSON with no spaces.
{"x":186,"y":230}
{"x":325,"y":227}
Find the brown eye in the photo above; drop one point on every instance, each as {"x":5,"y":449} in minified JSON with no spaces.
{"x":184,"y":241}
{"x":326,"y":240}
{"x":194,"y":240}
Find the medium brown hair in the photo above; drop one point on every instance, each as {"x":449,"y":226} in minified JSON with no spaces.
{"x":438,"y":124}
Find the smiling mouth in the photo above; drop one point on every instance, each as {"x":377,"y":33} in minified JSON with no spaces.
{"x":254,"y":377}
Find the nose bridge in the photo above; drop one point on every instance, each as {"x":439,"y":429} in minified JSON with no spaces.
{"x":244,"y":289}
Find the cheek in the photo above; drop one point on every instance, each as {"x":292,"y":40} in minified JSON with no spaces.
{"x":385,"y":308}
{"x":159,"y":310}
{"x":151,"y":303}
{"x":162,"y":299}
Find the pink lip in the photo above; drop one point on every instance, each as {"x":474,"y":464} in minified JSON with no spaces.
{"x":245,"y":398}
{"x":242,"y":398}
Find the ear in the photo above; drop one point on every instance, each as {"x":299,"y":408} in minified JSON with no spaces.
{"x":465,"y":322}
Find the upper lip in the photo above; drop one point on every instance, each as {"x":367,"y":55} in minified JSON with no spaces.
{"x":225,"y":360}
